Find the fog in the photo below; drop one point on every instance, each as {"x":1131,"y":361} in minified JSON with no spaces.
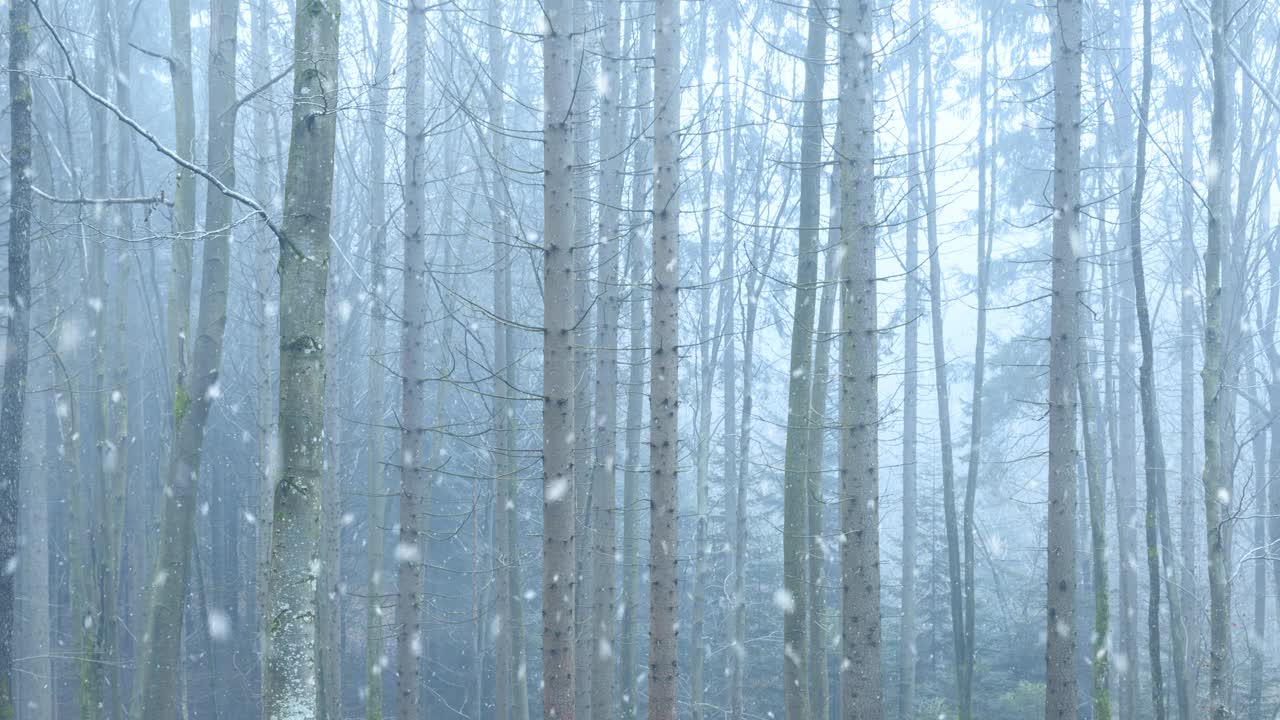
{"x":741,"y":359}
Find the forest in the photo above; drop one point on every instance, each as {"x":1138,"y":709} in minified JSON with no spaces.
{"x":594,"y":359}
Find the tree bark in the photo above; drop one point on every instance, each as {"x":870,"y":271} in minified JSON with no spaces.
{"x":559,"y":568}
{"x":13,"y":392}
{"x":907,"y":656}
{"x":375,"y":638}
{"x":795,"y":626}
{"x":604,"y":493}
{"x":1060,"y":679}
{"x":411,"y":546}
{"x":162,"y":655}
{"x":664,"y":365}
{"x":631,"y":502}
{"x":862,"y":689}
{"x":1216,"y":497}
{"x":304,"y":262}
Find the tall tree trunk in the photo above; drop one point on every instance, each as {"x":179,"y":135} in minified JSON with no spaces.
{"x":734,"y":503}
{"x":583,"y":100}
{"x":631,"y":500}
{"x":795,"y":627}
{"x":1216,"y":497}
{"x":962,"y":654}
{"x":604,"y":493}
{"x":1187,"y":387}
{"x":1060,"y":679}
{"x":1090,"y":430}
{"x":264,"y":266}
{"x":178,"y":314}
{"x":1159,"y":534}
{"x":907,"y":656}
{"x":375,"y":632}
{"x":13,"y":392}
{"x":411,"y":546}
{"x":664,"y":598}
{"x":979,"y":360}
{"x":862,"y":691}
{"x":511,"y":686}
{"x":820,"y":694}
{"x":708,"y":348}
{"x":304,"y":261}
{"x":162,"y":655}
{"x":1258,"y":639}
{"x":559,"y":568}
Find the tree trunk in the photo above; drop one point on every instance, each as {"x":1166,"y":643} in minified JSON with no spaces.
{"x":162,"y":655}
{"x":862,"y":690}
{"x":1098,"y":572}
{"x":375,"y":637}
{"x":734,"y":503}
{"x":959,"y":624}
{"x":1060,"y":680}
{"x":604,"y":493}
{"x":178,"y":315}
{"x":664,"y":597}
{"x":1216,"y":497}
{"x":708,"y":348}
{"x":13,"y":392}
{"x":559,"y":567}
{"x":795,"y":625}
{"x":264,"y":267}
{"x":979,"y":359}
{"x":510,"y":684}
{"x":304,"y":262}
{"x":820,"y":694}
{"x":410,"y":548}
{"x":1159,"y":535}
{"x":1187,"y":386}
{"x":583,"y":100}
{"x":907,"y":655}
{"x":631,"y":500}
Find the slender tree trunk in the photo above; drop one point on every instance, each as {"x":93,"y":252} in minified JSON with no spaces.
{"x":979,"y":365}
{"x":411,"y":546}
{"x":13,"y":392}
{"x":559,"y":568}
{"x":604,"y":526}
{"x":664,"y":386}
{"x":795,"y":676}
{"x":820,"y":693}
{"x":708,"y":348}
{"x":631,"y":546}
{"x":1187,"y":388}
{"x":907,"y":656}
{"x":1060,"y":680}
{"x":267,"y":346}
{"x":734,"y":503}
{"x":1216,"y":498}
{"x":1158,"y":532}
{"x":178,"y":315}
{"x":375,"y":627}
{"x":1090,"y":426}
{"x":510,"y":685}
{"x":162,"y":656}
{"x":862,"y":690}
{"x":583,"y":100}
{"x":1258,"y":641}
{"x":290,"y":694}
{"x":960,"y":639}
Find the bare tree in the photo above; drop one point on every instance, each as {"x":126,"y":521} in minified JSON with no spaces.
{"x":664,"y":364}
{"x":304,"y":260}
{"x":1060,"y":679}
{"x":559,"y":567}
{"x":862,"y":691}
